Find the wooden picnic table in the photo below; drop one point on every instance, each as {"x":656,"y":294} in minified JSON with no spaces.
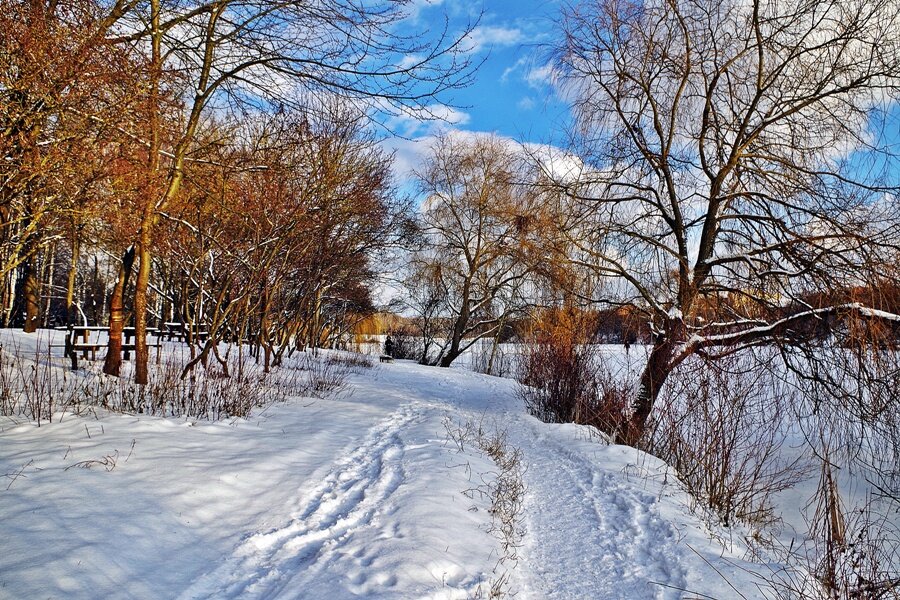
{"x":86,"y":346}
{"x":179,"y":331}
{"x":82,"y":331}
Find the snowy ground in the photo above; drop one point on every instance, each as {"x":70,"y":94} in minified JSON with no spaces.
{"x":364,"y":496}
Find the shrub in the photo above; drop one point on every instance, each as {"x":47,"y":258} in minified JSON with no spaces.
{"x":34,"y":387}
{"x":722,"y":426}
{"x":407,"y":345}
{"x":849,"y":554}
{"x":562,"y":378}
{"x":491,"y":359}
{"x":324,"y":376}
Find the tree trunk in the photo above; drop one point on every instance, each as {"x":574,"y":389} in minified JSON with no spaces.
{"x":71,"y":309}
{"x":10,"y":296}
{"x":459,"y":327}
{"x":141,"y":353}
{"x":495,"y":346}
{"x":30,"y":282}
{"x":659,"y":366}
{"x":145,"y":233}
{"x":31,"y":295}
{"x":113,"y":363}
{"x":48,"y":279}
{"x":456,"y":339}
{"x":314,"y":326}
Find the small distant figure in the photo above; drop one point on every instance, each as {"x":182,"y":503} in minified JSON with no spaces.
{"x":389,"y":347}
{"x":627,"y":344}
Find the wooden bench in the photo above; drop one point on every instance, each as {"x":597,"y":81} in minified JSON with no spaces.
{"x":178,"y":332}
{"x":91,"y":349}
{"x":181,"y":336}
{"x":385,"y":358}
{"x":85,"y":348}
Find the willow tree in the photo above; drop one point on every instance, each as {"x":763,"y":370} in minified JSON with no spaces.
{"x":477,"y":223}
{"x":733,"y":160}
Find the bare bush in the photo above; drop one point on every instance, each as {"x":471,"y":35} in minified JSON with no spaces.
{"x":861,"y":560}
{"x":407,"y":345}
{"x":850,"y":387}
{"x":32,"y":387}
{"x":722,"y":426}
{"x":207,"y":394}
{"x":563,"y":378}
{"x":324,"y":376}
{"x":492,"y":359}
{"x":355,"y":362}
{"x":850,"y":554}
{"x":505,"y":489}
{"x":556,"y":378}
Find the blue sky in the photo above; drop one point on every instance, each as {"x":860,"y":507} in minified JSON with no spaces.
{"x":512,"y":93}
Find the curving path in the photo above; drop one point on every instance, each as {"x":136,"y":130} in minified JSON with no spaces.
{"x":347,"y":501}
{"x":592,"y":533}
{"x":376,"y":526}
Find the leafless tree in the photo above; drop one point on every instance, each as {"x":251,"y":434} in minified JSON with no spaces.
{"x":426,"y":299}
{"x":273,"y":240}
{"x":63,"y":93}
{"x":477,"y":222}
{"x":289,"y":52}
{"x":733,"y":160}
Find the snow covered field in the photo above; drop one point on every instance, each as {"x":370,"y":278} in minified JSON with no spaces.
{"x":383,"y":492}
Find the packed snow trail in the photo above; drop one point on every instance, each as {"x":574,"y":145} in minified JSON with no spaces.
{"x":600,"y":521}
{"x":592,"y":534}
{"x":348,"y":500}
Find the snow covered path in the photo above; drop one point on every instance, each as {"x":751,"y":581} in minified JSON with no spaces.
{"x":364,"y":497}
{"x":593,"y":533}
{"x":348,"y":500}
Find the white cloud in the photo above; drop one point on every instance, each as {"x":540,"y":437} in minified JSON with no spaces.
{"x":526,"y":103}
{"x":558,"y":163}
{"x":542,"y":76}
{"x":449,"y":114}
{"x":409,"y":154}
{"x":415,"y":8}
{"x":427,"y":120}
{"x":488,"y":36}
{"x":536,"y":76}
{"x":516,"y":66}
{"x":409,"y":61}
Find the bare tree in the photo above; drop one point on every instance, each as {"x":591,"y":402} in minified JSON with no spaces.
{"x":63,"y":91}
{"x":733,"y":161}
{"x":252,"y":53}
{"x":426,"y":299}
{"x":272,"y":240}
{"x":477,"y":222}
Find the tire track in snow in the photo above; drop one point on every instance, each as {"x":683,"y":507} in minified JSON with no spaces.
{"x":347,"y":500}
{"x":591,"y":534}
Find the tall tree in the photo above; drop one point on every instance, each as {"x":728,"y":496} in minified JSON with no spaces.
{"x":476,"y":223}
{"x":289,"y":51}
{"x":732,"y":162}
{"x":64,"y":89}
